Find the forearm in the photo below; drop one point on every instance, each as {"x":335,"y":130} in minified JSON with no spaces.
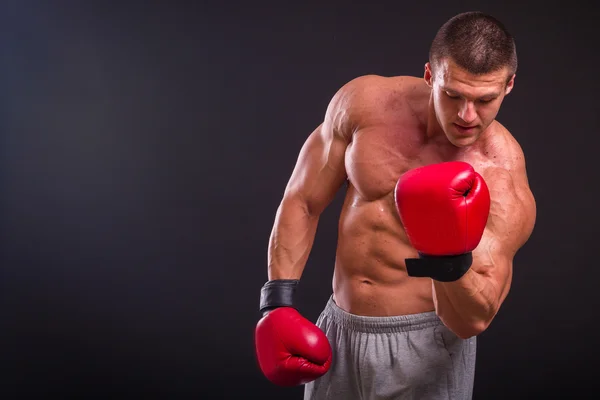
{"x":468,"y":305}
{"x":291,"y":239}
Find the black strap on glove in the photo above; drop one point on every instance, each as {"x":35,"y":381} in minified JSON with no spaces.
{"x":277,"y":293}
{"x":439,"y":268}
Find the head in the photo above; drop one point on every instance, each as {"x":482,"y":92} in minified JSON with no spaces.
{"x":471,"y":68}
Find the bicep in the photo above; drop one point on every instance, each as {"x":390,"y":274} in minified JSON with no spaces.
{"x":319,"y":171}
{"x":510,"y":223}
{"x":512,"y":212}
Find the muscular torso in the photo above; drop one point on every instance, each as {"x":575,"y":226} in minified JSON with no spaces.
{"x":389,"y":139}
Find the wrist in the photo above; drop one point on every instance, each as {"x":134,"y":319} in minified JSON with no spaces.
{"x":439,"y":268}
{"x":277,"y":293}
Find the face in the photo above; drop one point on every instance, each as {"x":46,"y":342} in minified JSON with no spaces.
{"x":466,"y":104}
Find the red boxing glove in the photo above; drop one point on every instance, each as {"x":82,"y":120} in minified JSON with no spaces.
{"x":444,"y":209}
{"x":291,"y":350}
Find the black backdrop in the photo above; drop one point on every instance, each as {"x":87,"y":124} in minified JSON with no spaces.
{"x":145,"y":147}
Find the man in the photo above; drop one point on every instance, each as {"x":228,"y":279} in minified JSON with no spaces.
{"x":437,"y":205}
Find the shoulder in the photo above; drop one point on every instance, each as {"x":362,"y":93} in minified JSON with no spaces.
{"x":369,"y":96}
{"x":506,"y":167}
{"x":506,"y":176}
{"x":503,"y":150}
{"x":374,"y":90}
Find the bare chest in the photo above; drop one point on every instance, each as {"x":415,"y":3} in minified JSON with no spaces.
{"x":378,"y":156}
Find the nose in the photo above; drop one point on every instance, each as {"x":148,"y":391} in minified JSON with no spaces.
{"x":467,"y":112}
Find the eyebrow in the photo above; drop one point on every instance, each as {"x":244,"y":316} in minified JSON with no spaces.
{"x":485,"y":96}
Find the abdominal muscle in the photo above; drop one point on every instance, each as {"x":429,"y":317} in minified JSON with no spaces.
{"x":370,"y":275}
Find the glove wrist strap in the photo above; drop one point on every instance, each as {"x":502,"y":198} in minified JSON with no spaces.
{"x":277,"y":293}
{"x":439,"y":268}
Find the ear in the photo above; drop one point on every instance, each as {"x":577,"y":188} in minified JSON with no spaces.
{"x":510,"y":85}
{"x":428,"y":76}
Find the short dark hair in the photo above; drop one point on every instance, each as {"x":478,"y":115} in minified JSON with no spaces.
{"x":476,"y":42}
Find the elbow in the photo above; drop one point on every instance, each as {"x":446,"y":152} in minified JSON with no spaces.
{"x":466,"y":328}
{"x":473,"y":327}
{"x":466,"y":331}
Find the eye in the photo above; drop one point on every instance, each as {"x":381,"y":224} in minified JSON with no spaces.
{"x":451,"y":95}
{"x":482,"y":101}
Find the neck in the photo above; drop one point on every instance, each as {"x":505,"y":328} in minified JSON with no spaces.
{"x":434,"y":131}
{"x":434,"y":134}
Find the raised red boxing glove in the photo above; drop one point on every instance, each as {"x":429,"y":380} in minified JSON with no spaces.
{"x":444,"y":208}
{"x":290,"y":349}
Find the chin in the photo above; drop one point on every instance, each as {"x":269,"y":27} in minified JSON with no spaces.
{"x":462,"y":141}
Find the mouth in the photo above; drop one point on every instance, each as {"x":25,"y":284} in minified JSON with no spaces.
{"x":465,"y":129}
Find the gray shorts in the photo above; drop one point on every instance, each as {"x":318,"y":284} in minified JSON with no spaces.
{"x":404,"y":357}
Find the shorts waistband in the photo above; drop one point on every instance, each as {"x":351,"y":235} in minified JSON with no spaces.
{"x":393,"y":324}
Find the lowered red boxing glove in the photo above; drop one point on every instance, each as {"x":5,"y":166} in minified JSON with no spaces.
{"x":444,"y":209}
{"x":290,"y":349}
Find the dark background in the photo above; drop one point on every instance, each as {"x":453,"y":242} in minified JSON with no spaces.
{"x":145,"y":147}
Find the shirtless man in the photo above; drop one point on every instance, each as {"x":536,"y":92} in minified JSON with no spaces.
{"x":437,"y":205}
